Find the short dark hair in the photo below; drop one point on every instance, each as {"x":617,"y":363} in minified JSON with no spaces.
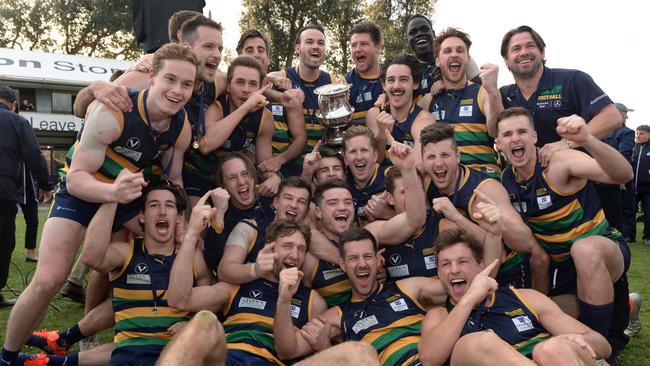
{"x":250,"y":167}
{"x":249,"y":34}
{"x":644,"y":128}
{"x":521,"y":29}
{"x":423,"y":17}
{"x":404,"y":59}
{"x":389,"y":181}
{"x":451,"y":32}
{"x":515,"y":111}
{"x":450,"y":237}
{"x":359,"y":130}
{"x":163,"y":185}
{"x":318,"y":27}
{"x":190,"y":27}
{"x":295,"y":182}
{"x":327,"y":152}
{"x":284,"y":227}
{"x":367,"y":26}
{"x":321,"y":189}
{"x":355,"y":234}
{"x":432,"y":134}
{"x":176,"y":22}
{"x":246,"y":61}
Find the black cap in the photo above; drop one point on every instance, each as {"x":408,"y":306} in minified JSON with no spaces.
{"x":8,"y":94}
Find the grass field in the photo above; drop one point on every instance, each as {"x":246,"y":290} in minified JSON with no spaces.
{"x":63,"y":312}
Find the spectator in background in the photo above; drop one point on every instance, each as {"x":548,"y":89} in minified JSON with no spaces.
{"x":27,"y":106}
{"x":622,"y":139}
{"x":17,"y":143}
{"x":641,"y":166}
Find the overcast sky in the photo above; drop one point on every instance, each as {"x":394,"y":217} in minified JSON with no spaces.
{"x":610,"y":40}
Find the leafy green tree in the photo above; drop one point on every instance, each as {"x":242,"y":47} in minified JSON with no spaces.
{"x":280,"y":21}
{"x":79,"y":27}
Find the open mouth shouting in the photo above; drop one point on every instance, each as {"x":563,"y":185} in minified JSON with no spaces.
{"x":458,"y":286}
{"x":162,"y":227}
{"x":518,"y":152}
{"x":245,"y":194}
{"x":363,"y":277}
{"x":422,"y":42}
{"x":454,"y":67}
{"x":291,"y":215}
{"x":211,"y":66}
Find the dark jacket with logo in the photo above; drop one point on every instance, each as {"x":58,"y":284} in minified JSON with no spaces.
{"x":18,"y":143}
{"x":641,"y":166}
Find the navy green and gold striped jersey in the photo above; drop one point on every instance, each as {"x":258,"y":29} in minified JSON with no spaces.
{"x":281,"y":138}
{"x":139,"y":319}
{"x":242,"y":137}
{"x":330,"y":282}
{"x":200,"y":101}
{"x":463,"y":198}
{"x":557,"y":219}
{"x":364,"y":93}
{"x":463,"y":109}
{"x":508,"y":315}
{"x":361,"y":196}
{"x":415,"y":256}
{"x":249,"y":317}
{"x":139,"y":147}
{"x":402,"y":130}
{"x":390,"y":320}
{"x":430,"y":73}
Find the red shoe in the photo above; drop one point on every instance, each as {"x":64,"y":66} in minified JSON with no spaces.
{"x":50,"y":338}
{"x":40,"y":359}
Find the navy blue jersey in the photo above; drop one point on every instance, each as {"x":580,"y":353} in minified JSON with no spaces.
{"x":560,"y":93}
{"x":215,"y":238}
{"x":390,"y":320}
{"x":361,"y":196}
{"x":139,"y":296}
{"x":415,"y":256}
{"x":508,"y":315}
{"x":556,"y":218}
{"x":462,"y":108}
{"x":364,"y":93}
{"x":139,"y":147}
{"x":330,"y":282}
{"x":249,"y":317}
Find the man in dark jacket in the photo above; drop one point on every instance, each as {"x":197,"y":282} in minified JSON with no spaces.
{"x":641,"y":166}
{"x":622,"y":139}
{"x":17,"y":143}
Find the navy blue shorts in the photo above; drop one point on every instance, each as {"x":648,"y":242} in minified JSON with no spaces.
{"x":197,"y":186}
{"x":564,"y":277}
{"x":135,"y":355}
{"x":242,"y":358}
{"x":72,"y":208}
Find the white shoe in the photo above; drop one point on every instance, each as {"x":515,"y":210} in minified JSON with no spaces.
{"x":635,"y":322}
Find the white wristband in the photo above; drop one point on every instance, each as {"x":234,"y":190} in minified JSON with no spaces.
{"x":252,"y":271}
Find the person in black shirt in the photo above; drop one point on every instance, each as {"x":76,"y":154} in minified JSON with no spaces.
{"x":17,"y":143}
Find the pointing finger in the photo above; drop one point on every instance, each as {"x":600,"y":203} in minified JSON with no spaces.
{"x":489,"y":268}
{"x":389,"y":137}
{"x":203,"y":199}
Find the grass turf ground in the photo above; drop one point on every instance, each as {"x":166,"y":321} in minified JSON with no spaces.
{"x":63,"y":312}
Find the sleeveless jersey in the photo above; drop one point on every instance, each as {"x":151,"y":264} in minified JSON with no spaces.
{"x":141,"y":319}
{"x":557,"y":219}
{"x":462,"y":199}
{"x":331,"y":282}
{"x":463,"y":109}
{"x":402,"y":130}
{"x":365,"y":91}
{"x":310,"y":109}
{"x":139,"y":147}
{"x":361,"y":196}
{"x":389,"y":320}
{"x":249,"y":317}
{"x":415,"y":256}
{"x":215,"y":238}
{"x":510,"y":317}
{"x":242,"y":137}
{"x":257,"y":242}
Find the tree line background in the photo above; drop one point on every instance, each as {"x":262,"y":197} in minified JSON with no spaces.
{"x":102,"y":28}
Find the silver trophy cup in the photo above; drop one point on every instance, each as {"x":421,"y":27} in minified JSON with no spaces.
{"x":335,"y":112}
